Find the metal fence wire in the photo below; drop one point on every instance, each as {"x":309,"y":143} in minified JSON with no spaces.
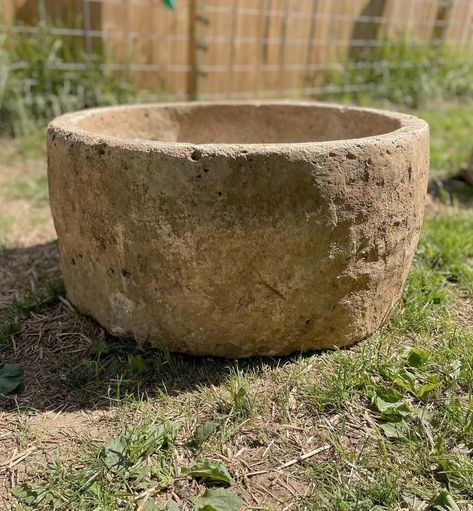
{"x":214,"y":49}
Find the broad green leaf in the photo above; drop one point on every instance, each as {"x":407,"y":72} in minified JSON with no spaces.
{"x":432,"y":384}
{"x":171,"y":4}
{"x":213,"y":471}
{"x":137,"y":364}
{"x":396,"y":430}
{"x":141,"y":474}
{"x":113,"y":365}
{"x":389,"y":403}
{"x":150,"y":506}
{"x":115,"y":453}
{"x":405,"y":379}
{"x":412,"y":503}
{"x":443,"y":501}
{"x":11,"y":377}
{"x":416,"y":357}
{"x":165,"y":434}
{"x":219,"y":499}
{"x":203,"y":432}
{"x":29,"y":494}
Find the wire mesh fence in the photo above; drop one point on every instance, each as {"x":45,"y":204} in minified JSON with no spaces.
{"x":213,"y":49}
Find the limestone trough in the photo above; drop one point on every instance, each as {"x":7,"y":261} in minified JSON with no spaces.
{"x":237,"y":229}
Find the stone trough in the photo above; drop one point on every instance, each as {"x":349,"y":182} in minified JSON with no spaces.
{"x":237,"y":229}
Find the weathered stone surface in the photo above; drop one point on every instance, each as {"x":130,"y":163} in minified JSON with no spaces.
{"x":237,"y":229}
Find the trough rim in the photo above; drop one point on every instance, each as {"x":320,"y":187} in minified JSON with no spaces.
{"x":65,"y":126}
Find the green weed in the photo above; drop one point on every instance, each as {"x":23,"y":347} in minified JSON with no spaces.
{"x":33,"y":90}
{"x":408,"y":73}
{"x":106,"y":477}
{"x":139,"y":460}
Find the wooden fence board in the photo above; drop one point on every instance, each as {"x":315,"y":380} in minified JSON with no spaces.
{"x":245,"y":47}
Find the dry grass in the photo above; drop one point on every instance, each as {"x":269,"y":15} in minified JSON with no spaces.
{"x":23,"y":269}
{"x":49,"y":415}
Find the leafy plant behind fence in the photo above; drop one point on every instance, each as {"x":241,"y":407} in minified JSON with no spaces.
{"x":408,"y":73}
{"x":33,"y":88}
{"x":43,"y":75}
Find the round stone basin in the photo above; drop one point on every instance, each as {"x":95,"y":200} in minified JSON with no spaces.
{"x":237,"y":229}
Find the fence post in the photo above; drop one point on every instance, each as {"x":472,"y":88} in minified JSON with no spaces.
{"x":197,"y":48}
{"x":442,"y":17}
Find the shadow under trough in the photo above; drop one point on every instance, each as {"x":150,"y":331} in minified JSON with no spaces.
{"x":70,"y":362}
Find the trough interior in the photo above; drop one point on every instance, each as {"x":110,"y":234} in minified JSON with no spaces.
{"x":237,"y":124}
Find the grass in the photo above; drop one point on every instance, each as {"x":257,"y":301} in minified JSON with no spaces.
{"x":31,"y":145}
{"x":395,"y":411}
{"x":137,"y":459}
{"x":45,"y":294}
{"x":34,"y":190}
{"x":450,"y":131}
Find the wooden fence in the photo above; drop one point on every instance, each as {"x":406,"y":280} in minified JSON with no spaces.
{"x":238,"y":48}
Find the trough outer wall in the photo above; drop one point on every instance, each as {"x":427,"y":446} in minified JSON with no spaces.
{"x":234,"y":252}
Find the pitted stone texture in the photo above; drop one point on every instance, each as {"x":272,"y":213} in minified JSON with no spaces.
{"x":174,"y":228}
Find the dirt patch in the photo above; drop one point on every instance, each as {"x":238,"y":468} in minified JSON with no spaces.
{"x":33,"y":439}
{"x":23,"y":269}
